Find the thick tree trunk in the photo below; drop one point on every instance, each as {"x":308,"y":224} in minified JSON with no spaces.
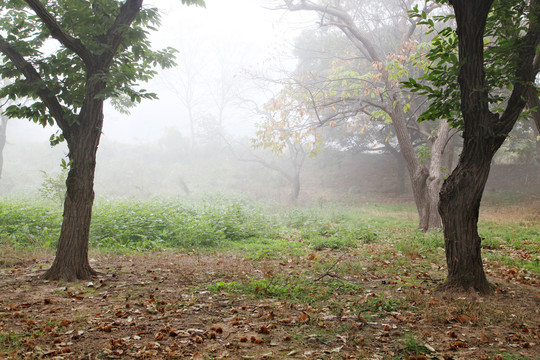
{"x":459,"y":207}
{"x":484,"y":133}
{"x":462,"y":191}
{"x":434,"y":180}
{"x":71,"y":261}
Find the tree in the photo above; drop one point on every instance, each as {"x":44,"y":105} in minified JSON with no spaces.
{"x":69,"y":85}
{"x":370,"y":88}
{"x":484,"y":130}
{"x":283,"y":131}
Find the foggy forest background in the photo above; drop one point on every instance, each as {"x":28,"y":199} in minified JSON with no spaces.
{"x":203,"y":135}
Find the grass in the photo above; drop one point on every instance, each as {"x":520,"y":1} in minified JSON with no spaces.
{"x":353,"y":270}
{"x":249,"y":227}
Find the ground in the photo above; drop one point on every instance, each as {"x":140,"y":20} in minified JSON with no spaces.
{"x":374,"y":301}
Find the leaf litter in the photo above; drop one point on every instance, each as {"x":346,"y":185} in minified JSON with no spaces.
{"x":328,"y":304}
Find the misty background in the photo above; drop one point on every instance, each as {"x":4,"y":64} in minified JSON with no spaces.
{"x":198,"y":137}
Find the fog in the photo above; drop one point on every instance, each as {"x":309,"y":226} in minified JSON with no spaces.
{"x":223,"y":52}
{"x":233,"y":36}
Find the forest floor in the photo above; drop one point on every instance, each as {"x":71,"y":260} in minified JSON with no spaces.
{"x":373,"y":301}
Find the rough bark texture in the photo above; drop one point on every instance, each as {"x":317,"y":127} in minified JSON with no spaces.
{"x":434,"y":180}
{"x":71,"y":261}
{"x":484,"y":132}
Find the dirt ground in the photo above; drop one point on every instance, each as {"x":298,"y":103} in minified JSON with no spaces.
{"x":173,"y":306}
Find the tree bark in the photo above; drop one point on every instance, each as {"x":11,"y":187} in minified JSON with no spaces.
{"x":459,"y":207}
{"x":434,"y":180}
{"x":295,"y":193}
{"x":71,"y":261}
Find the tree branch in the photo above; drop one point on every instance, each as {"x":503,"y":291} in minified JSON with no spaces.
{"x":115,"y":35}
{"x":525,"y":73}
{"x":55,"y":108}
{"x":345,"y":22}
{"x":60,"y":34}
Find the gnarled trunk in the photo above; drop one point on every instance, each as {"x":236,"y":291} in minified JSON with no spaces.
{"x":425,"y":183}
{"x":459,"y":207}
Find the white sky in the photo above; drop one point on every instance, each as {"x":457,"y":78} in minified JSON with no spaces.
{"x":245,"y":32}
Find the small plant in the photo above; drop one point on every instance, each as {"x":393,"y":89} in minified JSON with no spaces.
{"x":220,"y":286}
{"x":9,"y":341}
{"x":54,"y":187}
{"x":411,"y":346}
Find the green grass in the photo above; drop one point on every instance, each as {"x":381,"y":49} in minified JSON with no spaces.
{"x":139,"y":225}
{"x":10,"y":341}
{"x":252,"y":228}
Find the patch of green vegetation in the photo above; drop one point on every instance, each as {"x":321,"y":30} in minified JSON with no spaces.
{"x":420,"y":242}
{"x":512,"y":356}
{"x":380,"y":304}
{"x":296,"y":288}
{"x":140,"y":225}
{"x":30,"y":224}
{"x":411,"y":346}
{"x":532,"y":265}
{"x":10,"y":341}
{"x":523,"y":236}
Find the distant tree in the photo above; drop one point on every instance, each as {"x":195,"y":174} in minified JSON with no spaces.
{"x":362,"y":84}
{"x":102,"y":51}
{"x":498,"y":42}
{"x":533,"y":102}
{"x":186,"y":84}
{"x":282,"y":131}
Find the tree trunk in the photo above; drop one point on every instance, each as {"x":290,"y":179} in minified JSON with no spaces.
{"x":459,"y":207}
{"x":484,"y":133}
{"x":434,"y":180}
{"x":295,"y":193}
{"x":71,"y":261}
{"x":417,"y":173}
{"x":449,"y":150}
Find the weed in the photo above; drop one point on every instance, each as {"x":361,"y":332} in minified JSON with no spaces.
{"x":10,"y":341}
{"x":411,"y":346}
